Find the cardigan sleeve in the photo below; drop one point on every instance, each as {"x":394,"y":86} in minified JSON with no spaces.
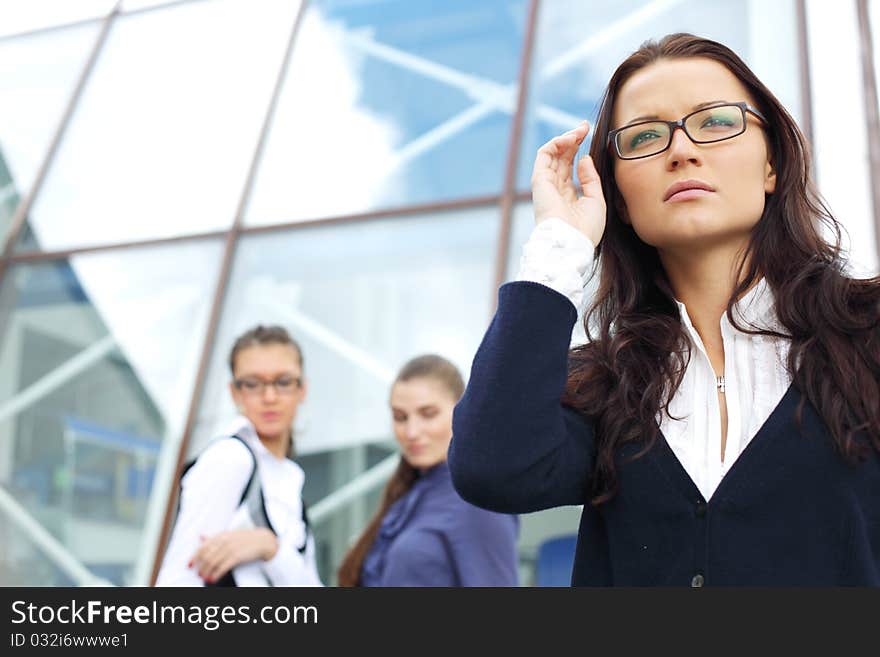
{"x":515,"y":448}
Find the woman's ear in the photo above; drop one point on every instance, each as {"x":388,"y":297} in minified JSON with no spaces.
{"x":769,"y":178}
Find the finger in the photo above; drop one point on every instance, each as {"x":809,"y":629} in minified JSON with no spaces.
{"x":546,"y":160}
{"x":541,"y":170}
{"x":210,"y":568}
{"x":548,"y":164}
{"x":196,"y":558}
{"x":220,"y":568}
{"x":204,"y":551}
{"x":591,"y":184}
{"x":210,"y":552}
{"x":573,"y":140}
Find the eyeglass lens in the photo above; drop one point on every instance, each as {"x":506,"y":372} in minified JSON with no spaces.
{"x":284,"y":385}
{"x":708,"y":125}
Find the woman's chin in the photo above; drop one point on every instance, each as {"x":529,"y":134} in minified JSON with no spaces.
{"x":271,"y":431}
{"x":422,"y":461}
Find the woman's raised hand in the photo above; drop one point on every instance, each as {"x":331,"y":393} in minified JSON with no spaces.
{"x":553,"y":190}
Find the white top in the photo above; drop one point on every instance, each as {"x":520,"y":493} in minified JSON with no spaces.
{"x":209,"y":504}
{"x":756,"y":378}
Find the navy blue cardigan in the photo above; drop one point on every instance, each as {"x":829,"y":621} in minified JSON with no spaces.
{"x":789,"y":511}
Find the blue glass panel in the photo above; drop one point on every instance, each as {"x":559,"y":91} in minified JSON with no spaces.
{"x":392,"y":103}
{"x":97,"y":362}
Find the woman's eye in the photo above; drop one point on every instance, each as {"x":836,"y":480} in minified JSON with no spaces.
{"x":716,"y":122}
{"x":643,"y":137}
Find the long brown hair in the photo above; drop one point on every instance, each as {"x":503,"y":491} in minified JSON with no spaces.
{"x":429,"y":366}
{"x":637,"y":349}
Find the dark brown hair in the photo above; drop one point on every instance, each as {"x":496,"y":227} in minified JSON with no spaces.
{"x":429,"y":366}
{"x":629,"y":370}
{"x":263,"y":335}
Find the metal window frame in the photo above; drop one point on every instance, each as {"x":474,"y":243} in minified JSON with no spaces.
{"x":872,"y":111}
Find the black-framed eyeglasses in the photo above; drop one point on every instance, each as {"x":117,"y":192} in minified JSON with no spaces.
{"x":284,"y":385}
{"x":704,"y":126}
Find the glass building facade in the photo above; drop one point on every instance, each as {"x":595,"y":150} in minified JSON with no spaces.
{"x":173,"y":173}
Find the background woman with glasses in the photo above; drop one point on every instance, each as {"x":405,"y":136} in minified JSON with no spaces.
{"x":241,"y":519}
{"x":721,"y":425}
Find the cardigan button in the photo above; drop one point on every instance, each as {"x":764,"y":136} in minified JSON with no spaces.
{"x":700,"y":510}
{"x":697,"y":581}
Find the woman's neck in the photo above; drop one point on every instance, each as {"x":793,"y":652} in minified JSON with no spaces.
{"x":277,"y":445}
{"x":704,"y":281}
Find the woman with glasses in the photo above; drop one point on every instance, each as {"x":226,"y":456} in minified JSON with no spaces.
{"x":424,"y":534}
{"x":241,"y":519}
{"x":721,"y":425}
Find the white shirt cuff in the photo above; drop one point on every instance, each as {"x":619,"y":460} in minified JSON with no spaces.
{"x":558,"y":255}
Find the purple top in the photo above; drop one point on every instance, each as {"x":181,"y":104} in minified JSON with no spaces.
{"x":432,"y":537}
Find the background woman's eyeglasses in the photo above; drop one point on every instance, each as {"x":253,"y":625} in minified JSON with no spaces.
{"x":284,"y":385}
{"x":704,"y":126}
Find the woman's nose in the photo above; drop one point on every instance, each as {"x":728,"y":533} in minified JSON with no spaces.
{"x":412,"y":430}
{"x":682,"y":149}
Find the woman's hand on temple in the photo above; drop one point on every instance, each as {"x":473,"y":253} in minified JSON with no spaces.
{"x":222,"y":552}
{"x":553,"y":190}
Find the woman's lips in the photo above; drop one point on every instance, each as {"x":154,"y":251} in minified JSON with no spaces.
{"x":270,"y":417}
{"x":675,"y":192}
{"x":688,"y":195}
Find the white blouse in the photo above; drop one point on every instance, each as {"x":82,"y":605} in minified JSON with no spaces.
{"x":756,"y":377}
{"x":209,"y":504}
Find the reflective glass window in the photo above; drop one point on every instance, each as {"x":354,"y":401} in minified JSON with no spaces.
{"x":18,"y":16}
{"x":361,"y":298}
{"x":38,"y":73}
{"x":165,"y":131}
{"x":390,"y":103}
{"x":97,"y":362}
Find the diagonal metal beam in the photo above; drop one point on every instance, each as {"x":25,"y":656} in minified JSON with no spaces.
{"x":48,"y":544}
{"x":605,"y":36}
{"x":357,"y":487}
{"x":490,"y":95}
{"x":19,"y":218}
{"x":355,"y":355}
{"x":441,"y":133}
{"x":872,"y":113}
{"x":479,"y":88}
{"x":50,"y":382}
{"x":156,"y":537}
{"x":513,"y":153}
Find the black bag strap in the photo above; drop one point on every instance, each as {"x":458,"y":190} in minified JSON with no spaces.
{"x":252,"y":495}
{"x":305,"y":519}
{"x":248,"y":486}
